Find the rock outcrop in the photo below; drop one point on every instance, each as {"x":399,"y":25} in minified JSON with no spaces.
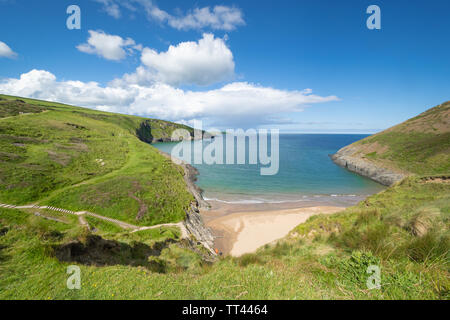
{"x":196,"y":227}
{"x":194,"y":222}
{"x":190,"y":177}
{"x":348,"y":158}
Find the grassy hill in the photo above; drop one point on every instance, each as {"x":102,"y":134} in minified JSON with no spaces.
{"x":326,"y":258}
{"x":81,"y":159}
{"x":403,"y":230}
{"x":420,"y":145}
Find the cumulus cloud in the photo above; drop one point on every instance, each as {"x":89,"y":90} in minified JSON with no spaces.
{"x":5,"y":51}
{"x":29,"y":84}
{"x":110,"y":47}
{"x":42,"y":84}
{"x":217,"y":18}
{"x":232,"y":102}
{"x":203,"y":63}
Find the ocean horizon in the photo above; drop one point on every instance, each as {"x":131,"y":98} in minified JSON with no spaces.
{"x":306,"y":174}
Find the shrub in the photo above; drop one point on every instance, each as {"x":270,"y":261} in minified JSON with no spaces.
{"x":376,"y":238}
{"x":175,"y":259}
{"x":281,"y":249}
{"x":249,"y":259}
{"x":430,"y":247}
{"x":422,"y":221}
{"x":354,"y":269}
{"x":368,"y":216}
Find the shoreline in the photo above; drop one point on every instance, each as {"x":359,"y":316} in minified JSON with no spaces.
{"x":239,"y":228}
{"x":245,"y":228}
{"x":347,"y":158}
{"x":194,"y":220}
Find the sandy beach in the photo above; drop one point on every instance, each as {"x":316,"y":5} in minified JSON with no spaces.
{"x":244,"y":228}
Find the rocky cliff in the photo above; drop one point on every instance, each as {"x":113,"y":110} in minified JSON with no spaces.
{"x":420,"y":145}
{"x":194,"y":222}
{"x":195,"y":226}
{"x":345,"y":158}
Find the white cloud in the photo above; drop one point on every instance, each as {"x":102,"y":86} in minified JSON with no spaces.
{"x":29,"y":84}
{"x":217,"y":18}
{"x":110,"y":8}
{"x":5,"y":51}
{"x":42,"y":84}
{"x":231,"y":103}
{"x":110,"y":47}
{"x":203,"y":63}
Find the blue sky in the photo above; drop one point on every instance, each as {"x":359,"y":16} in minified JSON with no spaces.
{"x":301,"y":66}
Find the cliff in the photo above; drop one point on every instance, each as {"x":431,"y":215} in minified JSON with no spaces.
{"x":194,"y":222}
{"x":366,"y":168}
{"x":420,"y":145}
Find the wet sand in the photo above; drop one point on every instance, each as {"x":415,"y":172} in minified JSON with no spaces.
{"x":243,"y":228}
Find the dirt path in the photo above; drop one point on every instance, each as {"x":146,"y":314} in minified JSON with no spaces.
{"x":24,"y":114}
{"x":83,"y":222}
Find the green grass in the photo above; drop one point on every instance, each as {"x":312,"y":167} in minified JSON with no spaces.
{"x":11,"y":108}
{"x":80,"y":159}
{"x":53,"y":158}
{"x":325,"y":258}
{"x":103,"y":226}
{"x":420,"y":145}
{"x":419,"y":153}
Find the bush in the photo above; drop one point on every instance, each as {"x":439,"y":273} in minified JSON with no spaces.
{"x":368,"y":216}
{"x":430,"y":247}
{"x":281,"y":249}
{"x":354,"y":269}
{"x":175,"y":259}
{"x":248,"y":259}
{"x":377,"y":238}
{"x":422,"y":221}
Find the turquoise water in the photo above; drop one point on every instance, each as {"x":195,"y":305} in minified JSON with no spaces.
{"x":306,"y":173}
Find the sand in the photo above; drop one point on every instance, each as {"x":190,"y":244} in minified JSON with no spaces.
{"x":244,"y":231}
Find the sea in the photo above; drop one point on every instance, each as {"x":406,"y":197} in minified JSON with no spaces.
{"x":305,"y":173}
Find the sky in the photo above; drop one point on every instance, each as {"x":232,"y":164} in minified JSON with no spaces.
{"x":295,"y":65}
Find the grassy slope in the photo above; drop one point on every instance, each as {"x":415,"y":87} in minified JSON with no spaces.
{"x":81,"y":159}
{"x":404,"y":229}
{"x":326,"y":258}
{"x":420,"y":145}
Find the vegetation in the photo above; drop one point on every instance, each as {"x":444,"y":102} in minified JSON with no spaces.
{"x":403,"y":230}
{"x":80,"y":159}
{"x":17,"y":107}
{"x":420,"y":145}
{"x":325,"y":258}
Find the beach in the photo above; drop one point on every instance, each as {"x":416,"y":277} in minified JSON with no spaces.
{"x":243,"y":228}
{"x":249,"y":210}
